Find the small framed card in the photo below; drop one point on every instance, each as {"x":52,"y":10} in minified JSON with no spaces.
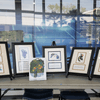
{"x":96,"y":66}
{"x":22,"y":53}
{"x":81,"y":60}
{"x":5,"y":67}
{"x":55,"y":58}
{"x":37,"y":69}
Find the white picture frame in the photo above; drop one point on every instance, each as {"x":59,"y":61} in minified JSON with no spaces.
{"x":37,"y":69}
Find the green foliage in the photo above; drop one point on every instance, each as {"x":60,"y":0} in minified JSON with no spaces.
{"x":83,"y":9}
{"x":65,"y":9}
{"x":11,"y":36}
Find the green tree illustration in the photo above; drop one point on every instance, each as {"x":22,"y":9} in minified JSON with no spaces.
{"x":37,"y":66}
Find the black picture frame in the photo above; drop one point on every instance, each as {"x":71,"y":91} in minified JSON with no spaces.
{"x":89,"y":65}
{"x":56,"y":47}
{"x":94,"y":64}
{"x":8,"y":60}
{"x":14,"y":56}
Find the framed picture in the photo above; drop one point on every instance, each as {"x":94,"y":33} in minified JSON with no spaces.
{"x":55,"y":58}
{"x":22,"y":53}
{"x":5,"y":67}
{"x":37,"y":69}
{"x":81,"y":60}
{"x":96,"y":65}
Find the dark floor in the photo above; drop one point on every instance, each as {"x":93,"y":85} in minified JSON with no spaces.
{"x":55,"y":97}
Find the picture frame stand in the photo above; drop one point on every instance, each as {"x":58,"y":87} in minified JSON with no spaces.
{"x":53,"y":43}
{"x":16,"y":76}
{"x":68,"y":59}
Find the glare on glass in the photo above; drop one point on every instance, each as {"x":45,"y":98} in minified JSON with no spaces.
{"x":38,"y":20}
{"x":86,"y":6}
{"x":27,"y":5}
{"x":27,"y":19}
{"x":38,"y":5}
{"x":7,"y":18}
{"x":7,"y":4}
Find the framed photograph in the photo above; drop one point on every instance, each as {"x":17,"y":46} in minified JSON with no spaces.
{"x":5,"y":66}
{"x":81,"y":60}
{"x":22,"y":53}
{"x":55,"y":58}
{"x":96,"y":65}
{"x":37,"y":69}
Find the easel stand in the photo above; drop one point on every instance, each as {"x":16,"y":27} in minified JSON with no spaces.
{"x":0,"y":94}
{"x":24,"y":75}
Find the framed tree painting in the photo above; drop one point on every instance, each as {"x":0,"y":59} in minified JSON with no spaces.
{"x":96,"y":65}
{"x":81,"y":60}
{"x":55,"y":58}
{"x":37,"y":69}
{"x":22,"y":53}
{"x":5,"y":66}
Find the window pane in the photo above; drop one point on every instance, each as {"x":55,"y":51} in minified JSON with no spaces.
{"x":85,"y":31}
{"x":7,"y":18}
{"x":52,"y":6}
{"x":97,"y":34}
{"x":7,"y":4}
{"x":97,"y":3}
{"x":38,"y":5}
{"x":98,"y":7}
{"x":27,"y":5}
{"x":86,"y":6}
{"x":52,"y":20}
{"x":27,"y":19}
{"x":69,"y":6}
{"x":38,"y":20}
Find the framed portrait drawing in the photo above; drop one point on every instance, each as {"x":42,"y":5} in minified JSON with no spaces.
{"x":96,"y":65}
{"x":37,"y":69}
{"x":22,"y":53}
{"x":55,"y":58}
{"x":5,"y":66}
{"x":81,"y":60}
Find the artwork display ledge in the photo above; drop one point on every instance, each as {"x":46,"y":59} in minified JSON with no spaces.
{"x":56,"y":81}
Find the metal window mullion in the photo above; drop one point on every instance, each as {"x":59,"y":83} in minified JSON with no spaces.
{"x":94,"y":18}
{"x":78,"y":6}
{"x":43,"y":10}
{"x":61,"y":12}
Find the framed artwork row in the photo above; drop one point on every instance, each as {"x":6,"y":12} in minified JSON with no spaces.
{"x":54,"y":61}
{"x":81,"y":60}
{"x":5,"y":66}
{"x":55,"y":58}
{"x":96,"y":66}
{"x":22,"y":52}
